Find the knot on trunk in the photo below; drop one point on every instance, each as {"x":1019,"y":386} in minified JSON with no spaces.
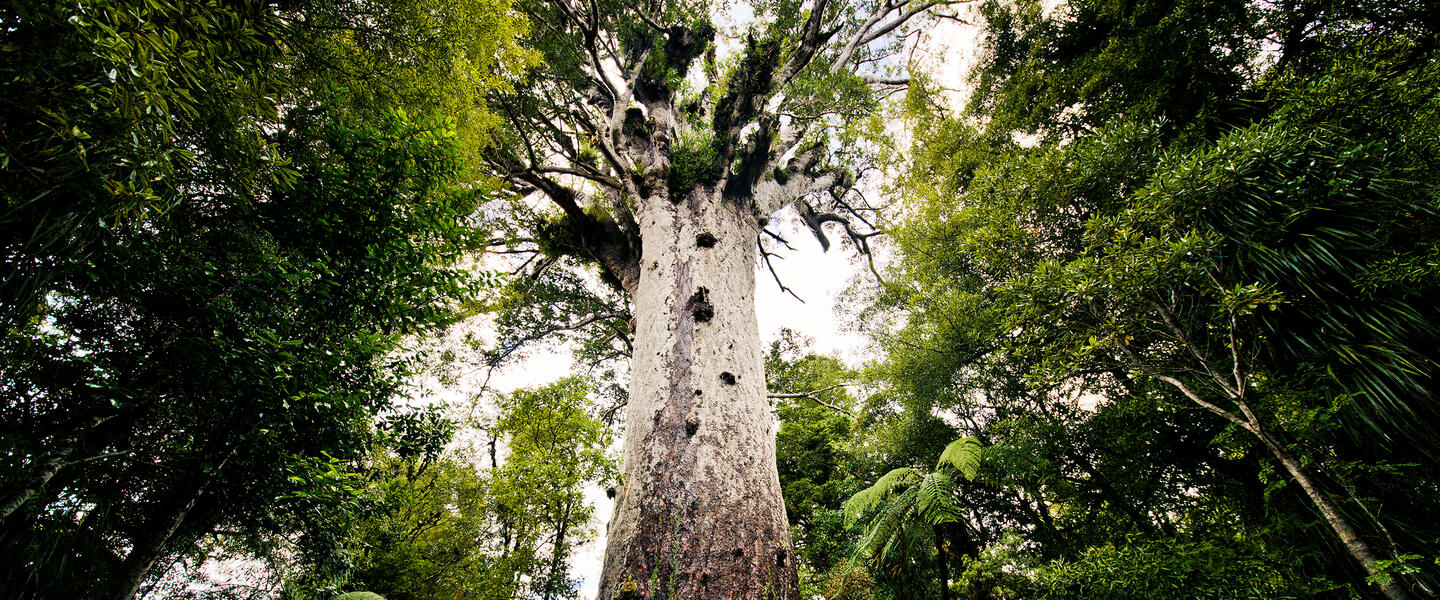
{"x":699,"y":305}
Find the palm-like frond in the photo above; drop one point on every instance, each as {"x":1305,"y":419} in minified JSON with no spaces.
{"x":964,"y":455}
{"x":935,"y":499}
{"x":869,"y":497}
{"x":880,"y":538}
{"x":911,"y":503}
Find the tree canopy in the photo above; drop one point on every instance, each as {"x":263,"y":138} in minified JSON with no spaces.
{"x":1151,"y":292}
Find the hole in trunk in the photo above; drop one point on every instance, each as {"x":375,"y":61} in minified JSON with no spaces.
{"x":691,"y":426}
{"x":738,"y":552}
{"x":780,"y":557}
{"x":698,"y":392}
{"x":700,"y":307}
{"x":727,"y":378}
{"x":705,"y":240}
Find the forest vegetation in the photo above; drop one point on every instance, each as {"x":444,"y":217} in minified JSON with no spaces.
{"x":1150,"y":292}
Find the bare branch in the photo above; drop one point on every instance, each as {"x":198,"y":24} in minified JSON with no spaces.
{"x":814,"y":395}
{"x":764,"y":254}
{"x":901,"y":20}
{"x":877,"y":80}
{"x":842,"y":60}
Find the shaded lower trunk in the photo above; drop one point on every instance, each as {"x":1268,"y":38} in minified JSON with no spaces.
{"x":942,"y":563}
{"x":149,"y":546}
{"x":557,"y":560}
{"x":700,"y":514}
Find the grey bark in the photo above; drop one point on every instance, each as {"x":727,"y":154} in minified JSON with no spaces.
{"x":700,"y":514}
{"x":150,"y":546}
{"x":47,"y":469}
{"x":1349,"y":536}
{"x":42,"y":475}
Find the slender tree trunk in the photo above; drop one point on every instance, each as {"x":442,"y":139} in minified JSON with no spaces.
{"x":941,"y":563}
{"x":700,"y":514}
{"x":47,"y":469}
{"x":37,"y":481}
{"x":557,"y":557}
{"x":1349,"y":536}
{"x":150,"y":545}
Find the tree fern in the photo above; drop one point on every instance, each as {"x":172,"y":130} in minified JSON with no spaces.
{"x":935,"y":499}
{"x":867,"y":498}
{"x":889,"y":525}
{"x":911,"y":502}
{"x":964,"y":455}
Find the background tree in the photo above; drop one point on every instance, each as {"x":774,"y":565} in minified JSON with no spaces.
{"x":556,"y":447}
{"x":817,"y":452}
{"x":449,"y":526}
{"x":205,"y":297}
{"x":1178,"y":213}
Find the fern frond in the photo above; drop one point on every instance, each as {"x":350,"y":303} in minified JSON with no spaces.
{"x":867,"y":498}
{"x":963,"y":454}
{"x":935,"y":499}
{"x":889,"y":526}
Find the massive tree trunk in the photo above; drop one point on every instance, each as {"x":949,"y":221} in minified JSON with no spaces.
{"x":700,"y":514}
{"x":667,"y":190}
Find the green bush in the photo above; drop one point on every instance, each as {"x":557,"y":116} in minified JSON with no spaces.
{"x":1160,"y":569}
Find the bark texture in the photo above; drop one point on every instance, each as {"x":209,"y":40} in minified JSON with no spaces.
{"x":700,"y":514}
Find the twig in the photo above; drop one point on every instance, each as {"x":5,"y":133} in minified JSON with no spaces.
{"x":766,"y":256}
{"x":813,"y":395}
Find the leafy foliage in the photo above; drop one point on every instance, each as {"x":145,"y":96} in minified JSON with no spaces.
{"x":1126,"y":237}
{"x":206,"y":297}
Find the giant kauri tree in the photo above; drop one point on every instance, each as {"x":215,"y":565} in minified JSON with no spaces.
{"x":666,"y":159}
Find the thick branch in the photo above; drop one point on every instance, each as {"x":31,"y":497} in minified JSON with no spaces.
{"x":603,"y":241}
